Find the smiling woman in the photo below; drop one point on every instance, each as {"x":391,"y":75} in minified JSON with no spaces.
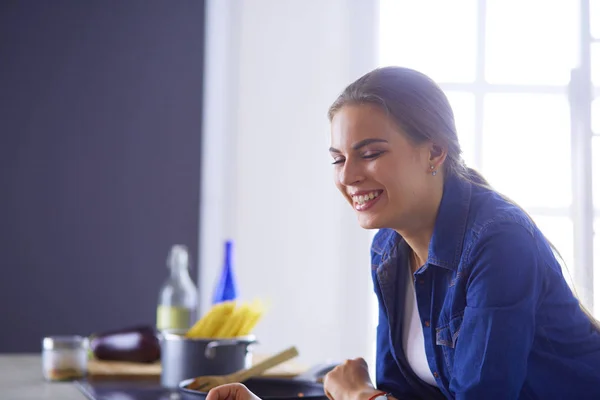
{"x":480,"y":267}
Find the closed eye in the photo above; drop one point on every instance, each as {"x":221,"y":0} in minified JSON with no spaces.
{"x":367,"y":156}
{"x":371,"y":156}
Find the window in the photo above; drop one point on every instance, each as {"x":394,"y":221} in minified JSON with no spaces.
{"x":436,"y":45}
{"x":506,"y":68}
{"x":530,"y":42}
{"x":526,"y":148}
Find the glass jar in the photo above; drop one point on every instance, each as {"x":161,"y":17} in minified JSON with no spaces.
{"x":64,"y":357}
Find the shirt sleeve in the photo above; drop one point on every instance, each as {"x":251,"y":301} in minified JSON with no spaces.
{"x":504,"y":285}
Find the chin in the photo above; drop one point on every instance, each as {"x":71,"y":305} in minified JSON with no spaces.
{"x":369,"y":223}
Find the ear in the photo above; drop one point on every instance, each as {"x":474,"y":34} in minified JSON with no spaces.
{"x":437,"y":156}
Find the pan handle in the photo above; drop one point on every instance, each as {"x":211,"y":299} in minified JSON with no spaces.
{"x":317,"y":372}
{"x":209,"y":350}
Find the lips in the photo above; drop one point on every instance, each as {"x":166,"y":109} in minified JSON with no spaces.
{"x":363,"y":198}
{"x":366,"y":199}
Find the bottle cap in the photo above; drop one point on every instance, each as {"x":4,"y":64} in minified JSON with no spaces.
{"x":64,"y":342}
{"x":178,"y":256}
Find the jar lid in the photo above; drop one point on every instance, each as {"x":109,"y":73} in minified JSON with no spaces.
{"x":64,"y":342}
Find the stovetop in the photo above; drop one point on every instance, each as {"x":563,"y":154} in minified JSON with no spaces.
{"x":109,"y":390}
{"x":152,"y":390}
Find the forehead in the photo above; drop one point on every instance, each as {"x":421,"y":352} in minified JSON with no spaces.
{"x":353,"y":123}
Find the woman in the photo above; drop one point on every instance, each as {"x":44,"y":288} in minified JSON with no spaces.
{"x":472,"y":300}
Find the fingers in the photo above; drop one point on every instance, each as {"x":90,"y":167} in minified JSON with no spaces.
{"x":358,"y":360}
{"x":348,"y":379}
{"x":232,"y":391}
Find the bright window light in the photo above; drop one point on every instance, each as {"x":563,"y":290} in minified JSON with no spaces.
{"x":527,"y":148}
{"x":439,"y":43}
{"x":531,"y":41}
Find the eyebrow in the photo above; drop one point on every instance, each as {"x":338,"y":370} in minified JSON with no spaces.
{"x":360,"y":144}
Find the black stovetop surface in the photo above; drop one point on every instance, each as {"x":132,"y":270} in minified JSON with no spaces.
{"x":152,"y":390}
{"x":108,"y":390}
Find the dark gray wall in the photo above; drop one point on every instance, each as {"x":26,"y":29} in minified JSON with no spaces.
{"x":100,"y":130}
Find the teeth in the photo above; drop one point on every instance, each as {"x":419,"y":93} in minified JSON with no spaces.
{"x":364,"y":198}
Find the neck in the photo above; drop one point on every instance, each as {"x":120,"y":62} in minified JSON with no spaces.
{"x":419,"y":244}
{"x":418,"y":235}
{"x":178,"y":272}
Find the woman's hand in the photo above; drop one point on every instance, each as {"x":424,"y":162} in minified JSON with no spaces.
{"x":349,"y":381}
{"x":231,"y":391}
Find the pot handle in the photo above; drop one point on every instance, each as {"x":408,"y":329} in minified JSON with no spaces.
{"x":210,"y":350}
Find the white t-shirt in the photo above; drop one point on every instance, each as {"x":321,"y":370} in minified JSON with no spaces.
{"x":413,"y":341}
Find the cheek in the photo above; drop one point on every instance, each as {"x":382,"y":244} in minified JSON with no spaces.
{"x":338,"y":184}
{"x":389,"y":177}
{"x":397,"y":182}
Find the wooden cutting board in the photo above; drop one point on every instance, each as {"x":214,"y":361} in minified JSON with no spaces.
{"x":118,"y":370}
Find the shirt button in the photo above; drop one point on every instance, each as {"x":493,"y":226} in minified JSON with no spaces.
{"x":427,"y":323}
{"x":421,"y":281}
{"x":435,"y":375}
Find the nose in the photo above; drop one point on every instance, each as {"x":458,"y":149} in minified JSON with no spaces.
{"x":350,"y":174}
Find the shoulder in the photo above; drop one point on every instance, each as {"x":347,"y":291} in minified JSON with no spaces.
{"x":503,"y":243}
{"x":499,"y":228}
{"x":492,"y":214}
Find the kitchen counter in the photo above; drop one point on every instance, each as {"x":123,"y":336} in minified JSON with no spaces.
{"x":21,"y":378}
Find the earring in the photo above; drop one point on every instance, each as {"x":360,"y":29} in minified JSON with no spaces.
{"x":431,"y":167}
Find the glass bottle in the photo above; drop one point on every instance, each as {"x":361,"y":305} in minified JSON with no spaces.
{"x":178,"y":299}
{"x":226,"y":287}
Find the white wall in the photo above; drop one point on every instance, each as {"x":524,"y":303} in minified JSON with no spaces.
{"x":273,"y":68}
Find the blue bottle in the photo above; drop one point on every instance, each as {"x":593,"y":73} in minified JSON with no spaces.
{"x":226,"y":287}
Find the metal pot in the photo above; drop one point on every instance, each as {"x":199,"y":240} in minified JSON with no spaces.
{"x":183,"y":358}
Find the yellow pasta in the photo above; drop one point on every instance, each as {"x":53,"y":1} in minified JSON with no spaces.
{"x":228,"y":320}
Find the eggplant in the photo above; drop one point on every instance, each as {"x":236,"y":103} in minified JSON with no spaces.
{"x":139,"y":344}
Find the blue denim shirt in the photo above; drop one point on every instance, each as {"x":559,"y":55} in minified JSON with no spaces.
{"x":499,"y":319}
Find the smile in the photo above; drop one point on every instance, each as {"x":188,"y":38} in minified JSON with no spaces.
{"x":366,"y":200}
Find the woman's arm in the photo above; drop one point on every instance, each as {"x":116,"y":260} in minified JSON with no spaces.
{"x":389,"y":377}
{"x":496,"y":335}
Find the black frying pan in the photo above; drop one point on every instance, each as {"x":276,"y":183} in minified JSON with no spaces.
{"x":302,"y":387}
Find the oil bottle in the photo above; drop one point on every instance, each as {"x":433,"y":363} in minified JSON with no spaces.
{"x":178,"y":298}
